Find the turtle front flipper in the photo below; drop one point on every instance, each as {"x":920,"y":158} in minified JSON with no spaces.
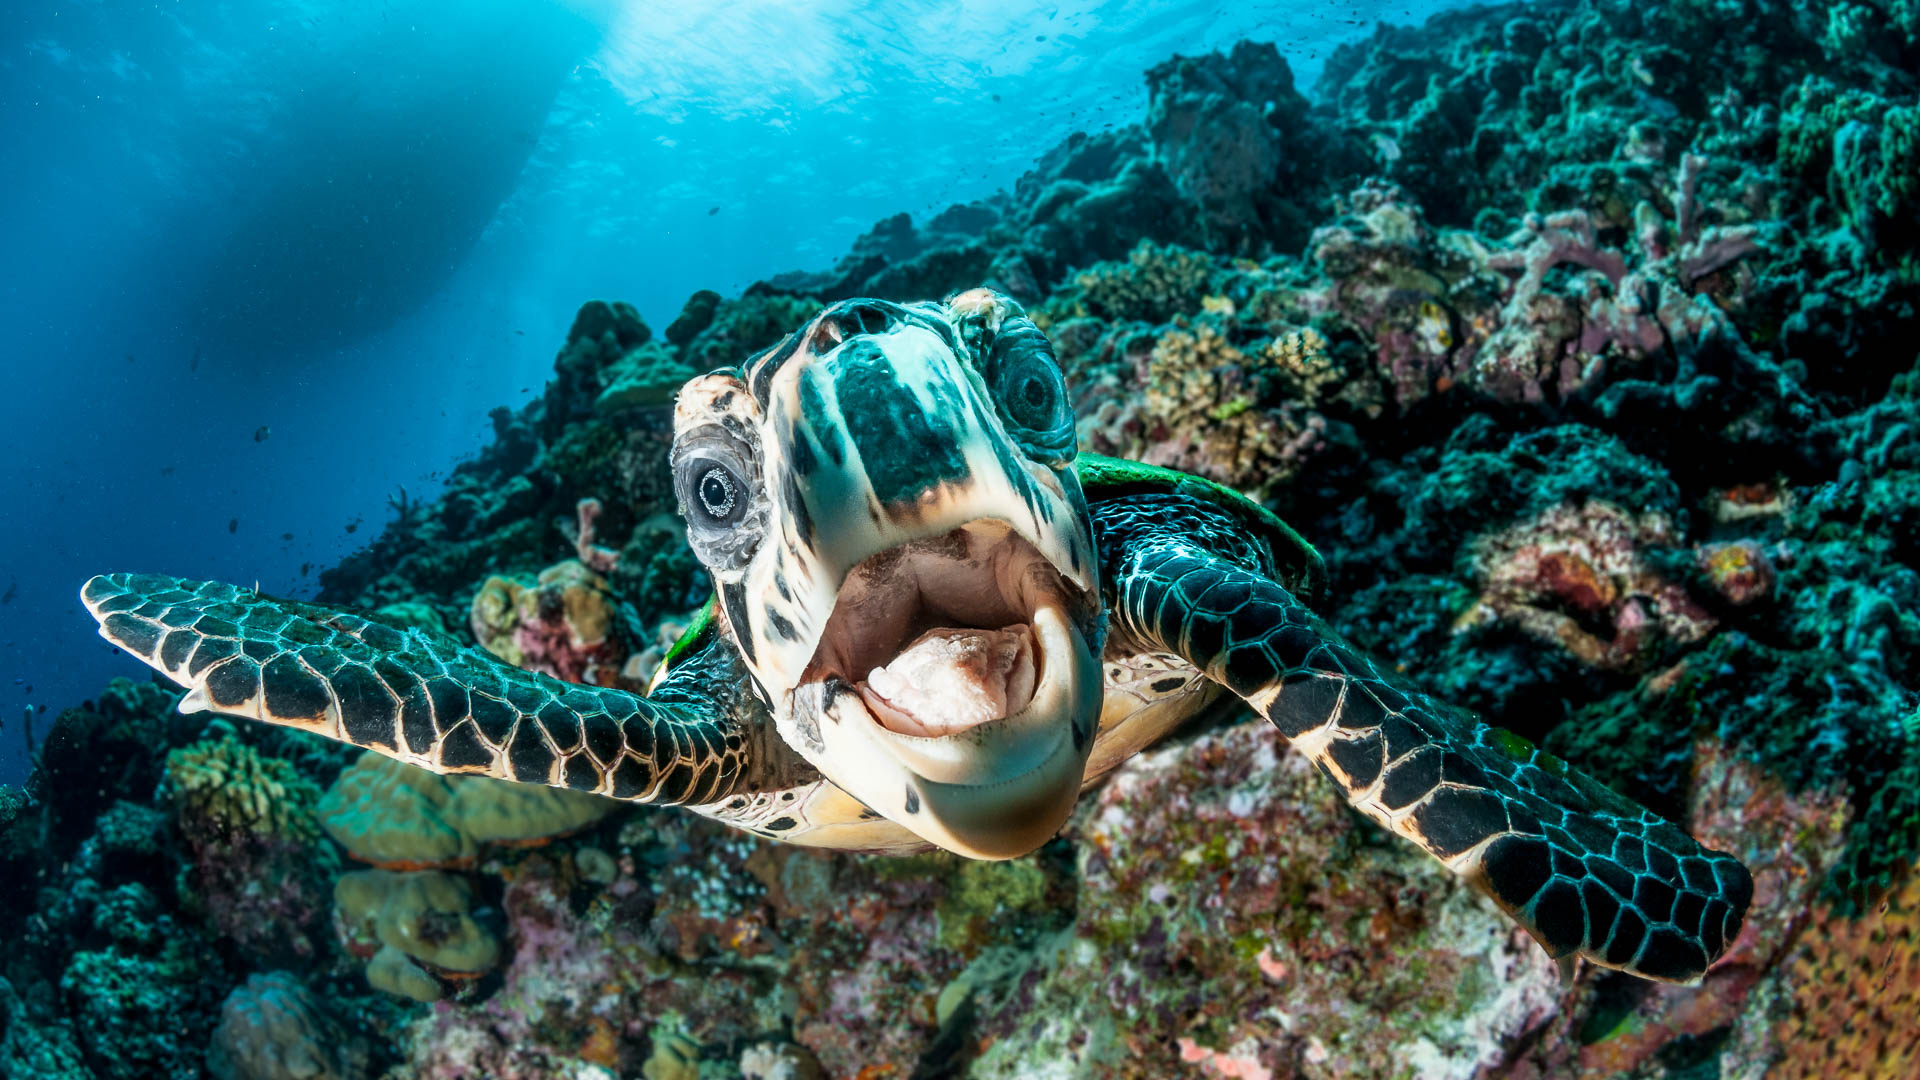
{"x":424,"y":699}
{"x":1584,"y":870}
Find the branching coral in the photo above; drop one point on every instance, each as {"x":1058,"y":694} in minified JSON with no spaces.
{"x":1202,"y":410}
{"x":600,"y":560}
{"x":1155,"y":283}
{"x":1550,"y":346}
{"x":259,"y":865}
{"x":223,"y":785}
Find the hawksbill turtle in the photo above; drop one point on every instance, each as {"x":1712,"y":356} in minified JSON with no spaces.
{"x":935,"y":624}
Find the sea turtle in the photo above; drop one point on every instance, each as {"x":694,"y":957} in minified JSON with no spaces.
{"x":934,"y":624}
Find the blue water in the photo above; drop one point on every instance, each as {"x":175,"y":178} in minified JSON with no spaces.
{"x":264,"y":264}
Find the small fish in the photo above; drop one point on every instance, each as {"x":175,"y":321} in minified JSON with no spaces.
{"x":522,"y":333}
{"x":194,"y":364}
{"x":353,"y":526}
{"x":286,"y":536}
{"x":713,"y":211}
{"x":305,"y":568}
{"x":129,"y":358}
{"x":28,"y":691}
{"x":233,"y":525}
{"x":261,"y":433}
{"x":13,"y":590}
{"x":166,"y":470}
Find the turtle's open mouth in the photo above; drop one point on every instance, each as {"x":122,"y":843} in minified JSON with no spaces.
{"x":942,"y":635}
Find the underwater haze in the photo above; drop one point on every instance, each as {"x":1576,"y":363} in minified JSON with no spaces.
{"x":270,"y":265}
{"x":938,"y":540}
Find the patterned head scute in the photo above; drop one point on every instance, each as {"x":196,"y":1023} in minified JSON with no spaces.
{"x":936,"y":431}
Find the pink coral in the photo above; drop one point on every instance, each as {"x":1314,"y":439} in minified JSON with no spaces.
{"x":600,"y":559}
{"x":562,"y":626}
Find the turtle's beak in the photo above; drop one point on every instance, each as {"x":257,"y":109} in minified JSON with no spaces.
{"x":955,"y":691}
{"x":929,"y":630}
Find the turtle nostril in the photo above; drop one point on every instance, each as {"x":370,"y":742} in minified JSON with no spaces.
{"x":871,"y":319}
{"x":850,"y":320}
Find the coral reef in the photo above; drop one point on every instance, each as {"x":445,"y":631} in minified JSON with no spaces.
{"x":563,"y":625}
{"x":246,"y":823}
{"x":1858,"y":983}
{"x":1576,"y":576}
{"x":1576,"y":335}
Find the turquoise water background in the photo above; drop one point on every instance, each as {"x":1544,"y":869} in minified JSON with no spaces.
{"x":265,"y":264}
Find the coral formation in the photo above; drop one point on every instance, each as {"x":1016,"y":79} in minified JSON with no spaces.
{"x":563,"y":625}
{"x":1858,"y":985}
{"x":273,"y":1028}
{"x":396,"y":816}
{"x":416,"y":930}
{"x":246,"y":822}
{"x":1577,"y":577}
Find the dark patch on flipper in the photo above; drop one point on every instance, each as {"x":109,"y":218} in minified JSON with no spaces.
{"x":368,"y":713}
{"x":293,"y":692}
{"x":233,"y":683}
{"x":132,"y":633}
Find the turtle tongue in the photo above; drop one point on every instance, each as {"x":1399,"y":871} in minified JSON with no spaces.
{"x":950,"y":679}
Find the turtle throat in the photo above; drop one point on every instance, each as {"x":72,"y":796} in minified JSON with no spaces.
{"x":938,"y":635}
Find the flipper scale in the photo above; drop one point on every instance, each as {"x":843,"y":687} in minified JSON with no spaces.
{"x":422,"y":698}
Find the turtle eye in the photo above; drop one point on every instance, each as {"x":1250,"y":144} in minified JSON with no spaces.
{"x":719,"y":494}
{"x":717,"y":486}
{"x":1031,"y":394}
{"x":712,"y":493}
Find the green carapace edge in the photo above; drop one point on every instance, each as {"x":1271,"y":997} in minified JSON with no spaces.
{"x":1300,"y":566}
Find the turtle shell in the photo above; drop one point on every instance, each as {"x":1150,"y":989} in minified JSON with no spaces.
{"x":1297,"y":565}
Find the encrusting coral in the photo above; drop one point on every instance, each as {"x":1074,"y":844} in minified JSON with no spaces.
{"x":1578,"y":577}
{"x":1858,"y":990}
{"x":416,"y":930}
{"x":396,"y":816}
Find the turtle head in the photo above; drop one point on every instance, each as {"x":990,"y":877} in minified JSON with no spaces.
{"x":887,"y":503}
